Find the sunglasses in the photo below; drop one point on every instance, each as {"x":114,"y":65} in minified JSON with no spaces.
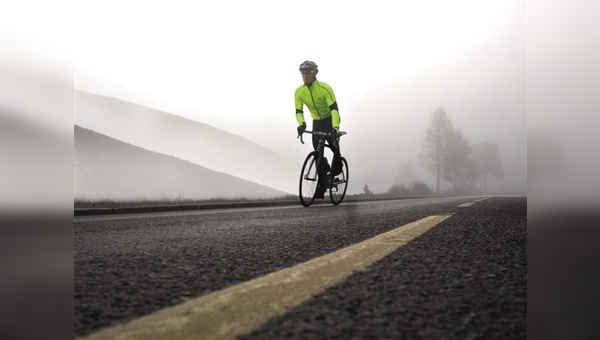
{"x":307,"y":71}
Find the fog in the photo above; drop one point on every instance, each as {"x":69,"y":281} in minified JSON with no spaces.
{"x":233,"y":65}
{"x":563,"y":84}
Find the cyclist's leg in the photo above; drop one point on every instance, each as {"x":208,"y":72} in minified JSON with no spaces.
{"x":336,"y":164}
{"x":315,"y":140}
{"x":321,"y":126}
{"x":324,"y":125}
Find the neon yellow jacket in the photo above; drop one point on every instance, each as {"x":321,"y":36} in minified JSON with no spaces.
{"x":321,"y":102}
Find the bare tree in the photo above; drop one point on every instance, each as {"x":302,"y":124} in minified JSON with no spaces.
{"x":487,"y":157}
{"x":457,"y":166}
{"x":435,"y":144}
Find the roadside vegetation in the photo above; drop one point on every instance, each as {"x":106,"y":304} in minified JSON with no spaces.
{"x":417,"y":189}
{"x":110,"y":203}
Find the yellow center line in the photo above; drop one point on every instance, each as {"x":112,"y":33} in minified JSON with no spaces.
{"x":468,"y":204}
{"x":241,"y":308}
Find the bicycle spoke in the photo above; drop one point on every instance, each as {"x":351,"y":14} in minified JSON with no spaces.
{"x":339,"y":184}
{"x":308,"y":180}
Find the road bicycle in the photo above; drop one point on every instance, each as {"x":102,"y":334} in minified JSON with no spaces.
{"x":313,"y":170}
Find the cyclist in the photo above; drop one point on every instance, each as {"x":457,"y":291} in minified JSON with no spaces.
{"x":321,"y":102}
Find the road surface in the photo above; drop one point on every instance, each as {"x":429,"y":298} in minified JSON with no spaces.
{"x":451,"y":268}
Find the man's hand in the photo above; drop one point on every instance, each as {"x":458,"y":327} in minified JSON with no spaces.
{"x":301,"y":129}
{"x":335,"y":132}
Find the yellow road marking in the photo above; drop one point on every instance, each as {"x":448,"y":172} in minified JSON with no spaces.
{"x":468,"y":204}
{"x":241,"y":308}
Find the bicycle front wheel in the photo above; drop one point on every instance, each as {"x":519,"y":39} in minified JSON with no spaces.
{"x":339,"y":184}
{"x":309,"y":178}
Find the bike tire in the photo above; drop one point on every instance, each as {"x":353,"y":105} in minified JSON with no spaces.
{"x":337,"y":190}
{"x":309,"y":179}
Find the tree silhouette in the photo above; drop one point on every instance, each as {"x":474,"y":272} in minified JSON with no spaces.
{"x":457,"y":166}
{"x":435,"y":144}
{"x":487,"y":157}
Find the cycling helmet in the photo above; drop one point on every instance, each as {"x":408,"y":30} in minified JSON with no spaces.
{"x":309,"y":65}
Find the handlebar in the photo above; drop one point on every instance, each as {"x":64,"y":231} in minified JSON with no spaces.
{"x":326,"y":134}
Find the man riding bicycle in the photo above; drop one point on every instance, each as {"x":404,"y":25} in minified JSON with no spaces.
{"x":321,"y":102}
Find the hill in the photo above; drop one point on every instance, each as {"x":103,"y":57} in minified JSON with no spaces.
{"x":106,"y":168}
{"x":186,"y":139}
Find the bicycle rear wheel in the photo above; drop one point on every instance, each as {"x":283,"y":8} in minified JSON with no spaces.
{"x":339,"y":184}
{"x":309,"y":178}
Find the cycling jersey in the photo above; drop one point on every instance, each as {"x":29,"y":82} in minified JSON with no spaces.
{"x":321,"y":102}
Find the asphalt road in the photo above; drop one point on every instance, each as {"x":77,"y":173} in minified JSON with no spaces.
{"x":465,"y":278}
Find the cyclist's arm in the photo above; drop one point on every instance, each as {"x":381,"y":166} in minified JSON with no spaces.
{"x":335,"y":113}
{"x":335,"y":117}
{"x":299,"y":111}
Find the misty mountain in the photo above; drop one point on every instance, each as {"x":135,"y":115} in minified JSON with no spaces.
{"x":186,"y":139}
{"x":109,"y":168}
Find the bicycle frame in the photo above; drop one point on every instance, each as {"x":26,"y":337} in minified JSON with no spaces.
{"x":322,"y":145}
{"x":312,"y":170}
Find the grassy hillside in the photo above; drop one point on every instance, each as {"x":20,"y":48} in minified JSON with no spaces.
{"x":106,"y":168}
{"x":186,"y":139}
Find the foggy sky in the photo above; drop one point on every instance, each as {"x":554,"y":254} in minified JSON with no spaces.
{"x":234,"y":65}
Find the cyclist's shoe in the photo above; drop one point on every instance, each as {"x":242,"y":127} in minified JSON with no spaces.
{"x":320,"y":194}
{"x":336,"y":180}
